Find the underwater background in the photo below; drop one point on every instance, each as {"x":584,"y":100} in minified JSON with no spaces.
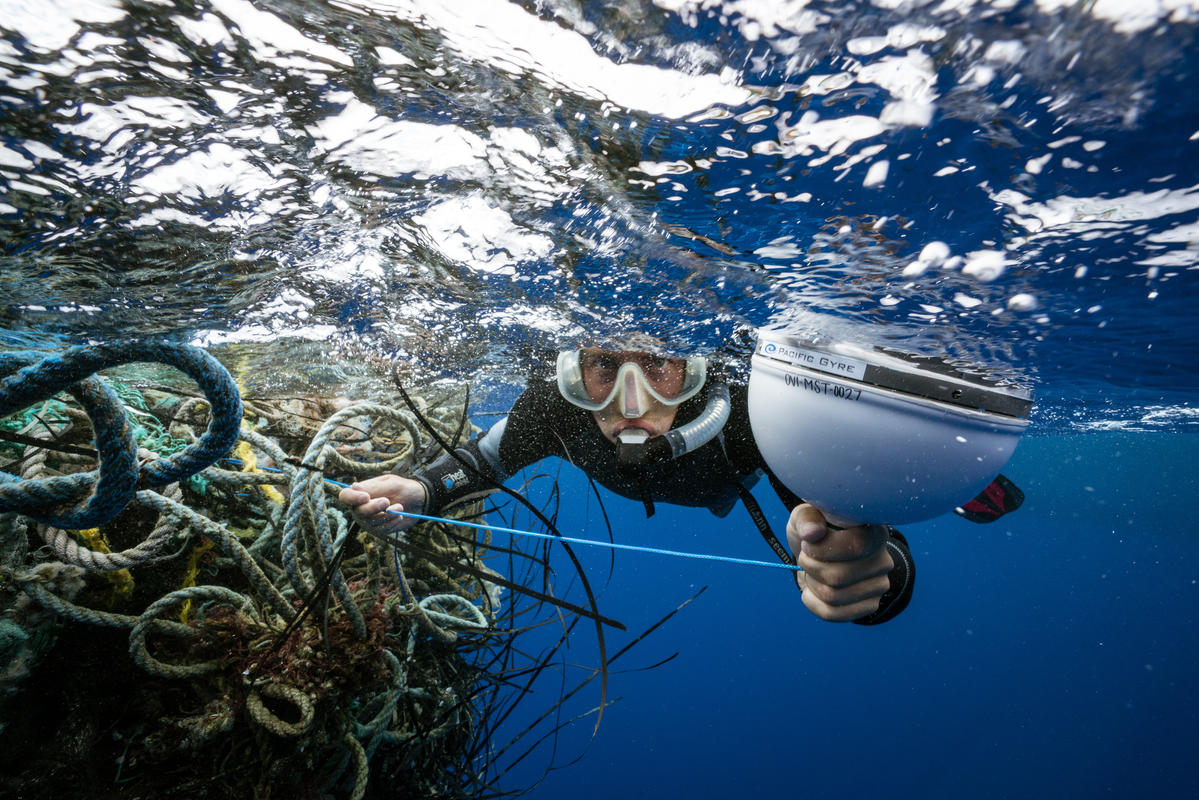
{"x":312,"y":188}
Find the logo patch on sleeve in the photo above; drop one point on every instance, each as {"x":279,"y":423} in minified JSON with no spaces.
{"x":453,"y":478}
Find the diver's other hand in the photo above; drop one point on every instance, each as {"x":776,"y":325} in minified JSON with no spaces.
{"x":844,"y":570}
{"x":371,"y":499}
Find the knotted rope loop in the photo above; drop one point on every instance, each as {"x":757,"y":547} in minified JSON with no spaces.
{"x":146,"y":622}
{"x":438,"y":607}
{"x":89,"y":498}
{"x":273,"y":722}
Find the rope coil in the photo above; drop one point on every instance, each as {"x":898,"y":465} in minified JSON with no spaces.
{"x":269,"y":720}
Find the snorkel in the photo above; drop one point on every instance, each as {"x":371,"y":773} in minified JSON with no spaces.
{"x":636,"y":448}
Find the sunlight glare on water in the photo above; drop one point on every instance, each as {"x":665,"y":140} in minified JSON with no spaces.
{"x":459,"y":185}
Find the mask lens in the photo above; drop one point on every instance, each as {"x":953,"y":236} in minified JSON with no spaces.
{"x":592,"y":378}
{"x":600,"y":369}
{"x":664,"y":375}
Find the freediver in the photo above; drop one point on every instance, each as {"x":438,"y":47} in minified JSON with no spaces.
{"x":654,"y":429}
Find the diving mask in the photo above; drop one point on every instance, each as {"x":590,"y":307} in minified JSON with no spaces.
{"x":592,"y":378}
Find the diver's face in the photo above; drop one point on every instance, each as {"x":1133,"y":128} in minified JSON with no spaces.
{"x":634,"y":381}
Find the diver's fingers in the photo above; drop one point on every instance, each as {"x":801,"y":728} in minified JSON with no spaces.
{"x":847,"y":544}
{"x":846,"y":612}
{"x":840,"y":591}
{"x":806,"y":524}
{"x":372,"y":515}
{"x":845,"y":574}
{"x":848,"y":594}
{"x":352,"y":496}
{"x":371,"y":507}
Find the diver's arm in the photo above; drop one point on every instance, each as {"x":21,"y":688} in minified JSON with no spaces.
{"x":466,"y":473}
{"x":530,"y":432}
{"x":462,"y":475}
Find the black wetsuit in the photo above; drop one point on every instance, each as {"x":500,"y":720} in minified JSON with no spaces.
{"x":542,"y":423}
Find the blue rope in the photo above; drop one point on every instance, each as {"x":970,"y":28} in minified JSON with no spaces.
{"x":573,"y":540}
{"x":110,"y":488}
{"x":593,"y":542}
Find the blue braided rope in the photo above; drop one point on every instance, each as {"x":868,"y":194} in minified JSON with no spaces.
{"x":99,"y":494}
{"x":39,"y":378}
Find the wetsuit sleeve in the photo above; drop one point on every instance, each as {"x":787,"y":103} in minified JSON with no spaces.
{"x":478,"y":467}
{"x":456,"y":477}
{"x":903,"y":580}
{"x":539,"y":425}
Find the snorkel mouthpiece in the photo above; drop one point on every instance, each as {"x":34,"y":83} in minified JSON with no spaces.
{"x":633,"y":436}
{"x":637,"y":448}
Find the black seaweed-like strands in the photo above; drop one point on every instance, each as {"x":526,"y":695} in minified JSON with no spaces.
{"x":586,"y":584}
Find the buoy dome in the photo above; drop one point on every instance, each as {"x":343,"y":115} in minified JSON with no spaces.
{"x":875,"y":436}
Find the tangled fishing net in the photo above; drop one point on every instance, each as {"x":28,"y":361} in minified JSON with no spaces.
{"x":231,"y":634}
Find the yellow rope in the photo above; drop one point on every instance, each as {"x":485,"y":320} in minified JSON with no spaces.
{"x":243,"y":450}
{"x":189,"y":577}
{"x":249,"y":462}
{"x":121,"y":579}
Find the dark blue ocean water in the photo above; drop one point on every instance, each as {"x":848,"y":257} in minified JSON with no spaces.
{"x":324,"y":190}
{"x":1049,"y":654}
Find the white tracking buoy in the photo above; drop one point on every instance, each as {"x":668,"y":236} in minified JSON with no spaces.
{"x":877,"y":436}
